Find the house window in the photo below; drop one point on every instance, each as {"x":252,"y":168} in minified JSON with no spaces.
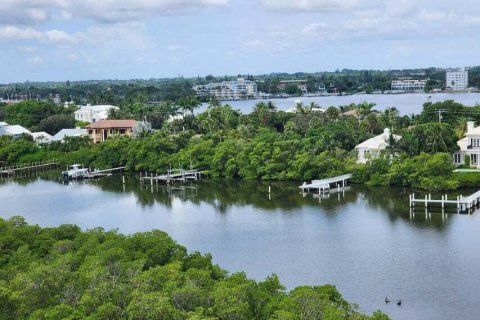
{"x":457,"y":157}
{"x":475,"y":143}
{"x":122,"y":131}
{"x":473,"y":158}
{"x":90,"y":131}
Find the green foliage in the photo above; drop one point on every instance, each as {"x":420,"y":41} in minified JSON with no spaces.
{"x":425,"y":171}
{"x":266,"y":144}
{"x":55,"y":123}
{"x":64,"y":273}
{"x":30,"y":113}
{"x":467,"y":179}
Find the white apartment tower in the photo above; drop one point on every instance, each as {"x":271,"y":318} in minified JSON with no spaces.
{"x":457,"y":79}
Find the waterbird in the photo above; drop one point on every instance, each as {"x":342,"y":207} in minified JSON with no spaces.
{"x":399,"y":302}
{"x":387,"y":300}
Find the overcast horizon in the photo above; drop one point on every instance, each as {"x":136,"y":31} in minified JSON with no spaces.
{"x":59,"y":40}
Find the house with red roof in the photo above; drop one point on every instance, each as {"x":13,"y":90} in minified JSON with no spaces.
{"x":101,"y":130}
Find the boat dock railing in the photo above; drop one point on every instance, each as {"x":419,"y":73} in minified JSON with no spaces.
{"x":28,"y":167}
{"x":171,"y":176}
{"x":463,"y":204}
{"x":324,"y":185}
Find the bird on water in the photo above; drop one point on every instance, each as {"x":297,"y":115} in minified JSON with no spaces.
{"x":399,"y":302}
{"x":387,"y":300}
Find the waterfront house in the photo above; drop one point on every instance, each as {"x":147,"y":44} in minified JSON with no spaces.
{"x":41,"y":137}
{"x":372,"y":147}
{"x":62,"y":134}
{"x":469,"y":146}
{"x":14,"y":130}
{"x":101,"y":130}
{"x":93,"y":114}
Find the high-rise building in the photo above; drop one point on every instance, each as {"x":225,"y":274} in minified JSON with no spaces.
{"x":457,"y":79}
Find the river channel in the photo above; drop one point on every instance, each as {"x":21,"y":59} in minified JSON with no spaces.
{"x":365,"y":241}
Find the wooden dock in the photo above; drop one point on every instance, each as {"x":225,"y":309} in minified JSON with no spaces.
{"x":96,"y":173}
{"x":28,"y":167}
{"x":171,"y":176}
{"x":324,"y":185}
{"x":463,"y":204}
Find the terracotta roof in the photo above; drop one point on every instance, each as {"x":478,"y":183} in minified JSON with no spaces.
{"x":107,"y":124}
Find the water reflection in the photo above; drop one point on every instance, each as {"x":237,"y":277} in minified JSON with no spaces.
{"x":223,"y":195}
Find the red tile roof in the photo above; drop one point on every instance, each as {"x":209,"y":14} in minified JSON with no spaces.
{"x":108,"y":124}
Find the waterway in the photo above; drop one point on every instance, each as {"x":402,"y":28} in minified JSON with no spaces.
{"x":364,"y":241}
{"x":406,"y":103}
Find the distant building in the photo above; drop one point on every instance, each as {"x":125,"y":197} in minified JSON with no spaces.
{"x":228,"y":90}
{"x":371,"y":148}
{"x":408,"y":85}
{"x":62,"y":134}
{"x":456,"y":79}
{"x":469,"y":146}
{"x":300,"y":84}
{"x":12,"y":130}
{"x":93,"y":114}
{"x":101,"y":130}
{"x":41,"y":137}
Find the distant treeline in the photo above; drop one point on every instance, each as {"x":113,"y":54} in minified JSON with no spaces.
{"x":155,"y":90}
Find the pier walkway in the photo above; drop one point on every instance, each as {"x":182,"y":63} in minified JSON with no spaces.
{"x":28,"y":167}
{"x":324,"y":185}
{"x":96,"y":173}
{"x":171,"y":176}
{"x":463,"y":204}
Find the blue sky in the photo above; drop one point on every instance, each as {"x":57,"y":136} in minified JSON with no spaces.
{"x":122,"y":39}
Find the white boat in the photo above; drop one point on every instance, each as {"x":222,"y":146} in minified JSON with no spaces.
{"x":75,"y":171}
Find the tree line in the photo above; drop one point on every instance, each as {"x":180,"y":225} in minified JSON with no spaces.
{"x":275,"y":145}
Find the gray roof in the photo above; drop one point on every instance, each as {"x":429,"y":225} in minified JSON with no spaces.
{"x":69,"y":133}
{"x":42,"y":136}
{"x":13,"y":130}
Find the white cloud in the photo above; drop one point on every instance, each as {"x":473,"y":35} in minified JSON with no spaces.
{"x":315,"y":5}
{"x":50,"y":36}
{"x":58,"y":36}
{"x":175,"y":47}
{"x":107,"y":11}
{"x":35,"y":60}
{"x":16,"y":33}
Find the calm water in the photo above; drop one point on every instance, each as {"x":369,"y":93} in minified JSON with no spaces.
{"x":405,"y":103}
{"x":364,"y":241}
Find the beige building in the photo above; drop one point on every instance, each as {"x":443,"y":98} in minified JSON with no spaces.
{"x":101,"y":130}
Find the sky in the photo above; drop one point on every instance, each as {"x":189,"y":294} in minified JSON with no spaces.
{"x":59,"y":40}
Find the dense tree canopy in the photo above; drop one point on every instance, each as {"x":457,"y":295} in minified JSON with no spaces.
{"x":65,"y":273}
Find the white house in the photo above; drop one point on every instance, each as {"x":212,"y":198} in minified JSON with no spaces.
{"x":62,"y":134}
{"x":469,"y":145}
{"x":12,"y":130}
{"x":93,"y":114}
{"x":372,"y":147}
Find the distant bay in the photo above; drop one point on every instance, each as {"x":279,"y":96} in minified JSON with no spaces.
{"x":407,"y":103}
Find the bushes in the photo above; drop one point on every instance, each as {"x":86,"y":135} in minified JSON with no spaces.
{"x":467,"y":179}
{"x":425,"y":171}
